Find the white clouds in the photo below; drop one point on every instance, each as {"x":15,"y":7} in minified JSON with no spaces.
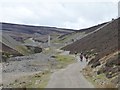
{"x":79,"y":24}
{"x":16,"y":14}
{"x":72,"y":14}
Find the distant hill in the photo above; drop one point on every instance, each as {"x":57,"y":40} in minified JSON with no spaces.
{"x":90,"y":29}
{"x":29,"y":29}
{"x":22,"y":32}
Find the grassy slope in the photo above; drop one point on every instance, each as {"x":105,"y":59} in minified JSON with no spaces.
{"x":68,"y":38}
{"x":13,"y":44}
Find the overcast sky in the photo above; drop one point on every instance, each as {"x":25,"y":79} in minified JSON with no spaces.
{"x":74,"y":14}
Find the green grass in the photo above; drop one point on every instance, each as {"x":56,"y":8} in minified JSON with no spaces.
{"x":101,"y":76}
{"x":30,"y":81}
{"x":23,"y":50}
{"x":28,"y":41}
{"x":63,"y":39}
{"x":64,"y":60}
{"x":43,"y":79}
{"x":97,"y":80}
{"x":68,"y":38}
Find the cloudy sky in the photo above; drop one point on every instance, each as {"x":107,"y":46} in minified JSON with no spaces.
{"x":74,"y":14}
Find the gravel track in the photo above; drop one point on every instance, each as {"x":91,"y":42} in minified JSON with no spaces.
{"x":70,"y":77}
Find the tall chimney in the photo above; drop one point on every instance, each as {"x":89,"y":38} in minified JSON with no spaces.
{"x":49,"y":40}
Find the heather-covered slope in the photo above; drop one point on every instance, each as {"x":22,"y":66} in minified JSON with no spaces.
{"x":103,"y":42}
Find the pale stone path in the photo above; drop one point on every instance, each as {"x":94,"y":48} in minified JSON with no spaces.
{"x":70,"y":77}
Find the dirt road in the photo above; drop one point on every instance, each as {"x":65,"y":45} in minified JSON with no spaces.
{"x":70,"y":77}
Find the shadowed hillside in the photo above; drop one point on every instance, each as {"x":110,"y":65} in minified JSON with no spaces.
{"x":103,"y":42}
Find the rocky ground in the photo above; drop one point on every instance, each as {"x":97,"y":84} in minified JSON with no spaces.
{"x":25,"y":65}
{"x":26,"y":70}
{"x":104,"y":74}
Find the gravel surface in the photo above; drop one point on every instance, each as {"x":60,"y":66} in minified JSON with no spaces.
{"x":25,"y":65}
{"x":70,"y":77}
